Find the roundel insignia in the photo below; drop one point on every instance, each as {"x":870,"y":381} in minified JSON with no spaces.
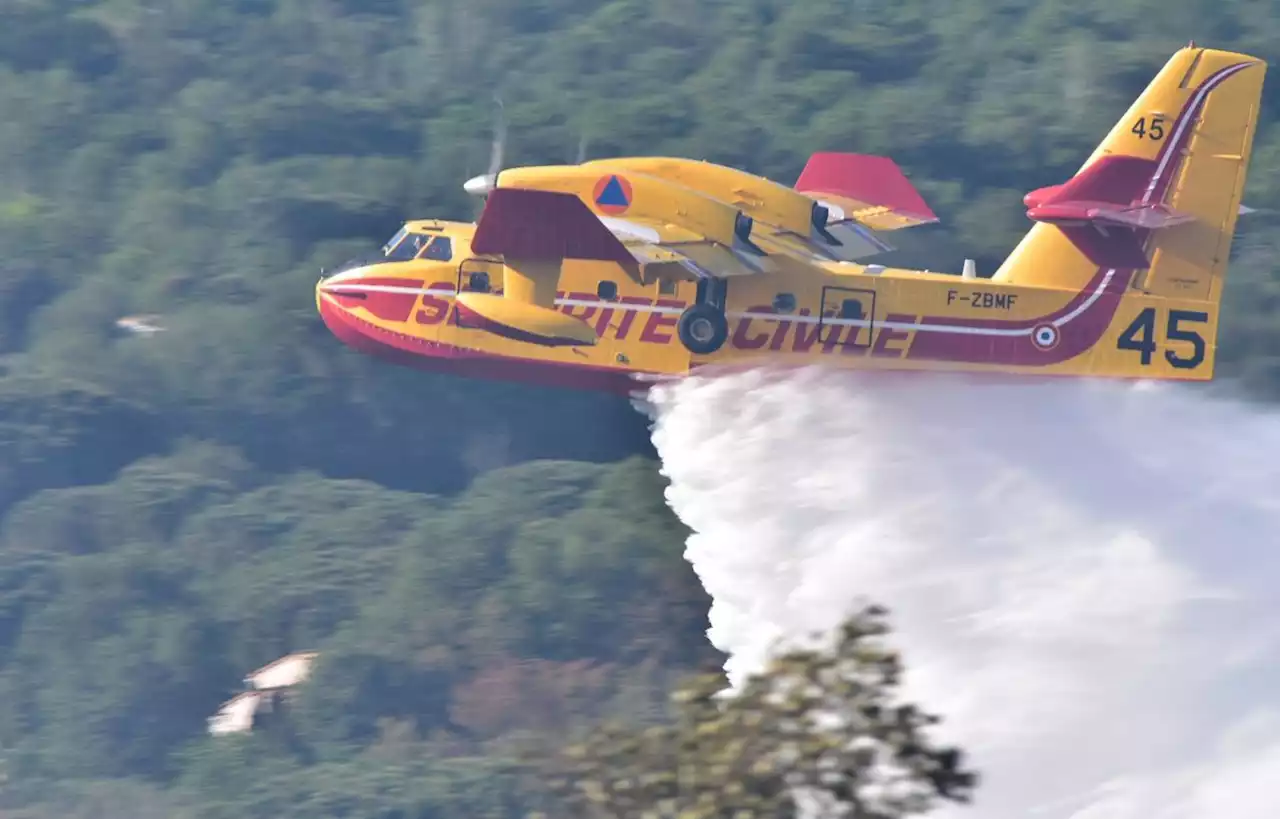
{"x":612,"y":194}
{"x":1045,"y":336}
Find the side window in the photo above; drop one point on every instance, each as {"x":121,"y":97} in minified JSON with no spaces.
{"x":440,"y":249}
{"x":607,"y":290}
{"x":668,"y":287}
{"x":478,"y":282}
{"x":851,"y":309}
{"x":784,"y":302}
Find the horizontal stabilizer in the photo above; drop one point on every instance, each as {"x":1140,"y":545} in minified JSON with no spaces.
{"x":1105,"y":210}
{"x":544,"y":225}
{"x":870,"y":189}
{"x":1103,"y":214}
{"x":1119,"y":180}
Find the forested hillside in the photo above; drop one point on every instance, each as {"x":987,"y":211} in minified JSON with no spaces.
{"x":475,"y":561}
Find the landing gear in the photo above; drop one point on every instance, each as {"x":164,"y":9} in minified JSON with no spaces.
{"x":703,"y":328}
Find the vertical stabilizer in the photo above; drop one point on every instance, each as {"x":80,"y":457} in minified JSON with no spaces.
{"x":1161,"y":194}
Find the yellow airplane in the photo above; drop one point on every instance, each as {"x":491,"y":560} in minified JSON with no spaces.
{"x":594,"y":274}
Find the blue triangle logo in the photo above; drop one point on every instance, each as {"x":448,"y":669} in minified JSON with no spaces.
{"x":612,"y":194}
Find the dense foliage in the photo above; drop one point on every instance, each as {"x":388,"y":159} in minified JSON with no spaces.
{"x":476,"y":561}
{"x":821,"y":731}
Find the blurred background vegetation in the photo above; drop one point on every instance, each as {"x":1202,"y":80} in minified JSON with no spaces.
{"x":476,"y":562}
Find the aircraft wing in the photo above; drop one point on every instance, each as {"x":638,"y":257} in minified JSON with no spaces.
{"x":652,"y":241}
{"x":864,"y":189}
{"x":649,"y":240}
{"x":545,"y":225}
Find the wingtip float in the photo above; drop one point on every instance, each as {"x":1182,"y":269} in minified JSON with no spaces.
{"x":593,"y":274}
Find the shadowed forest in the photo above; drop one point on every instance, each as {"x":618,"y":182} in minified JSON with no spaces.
{"x":476,"y":562}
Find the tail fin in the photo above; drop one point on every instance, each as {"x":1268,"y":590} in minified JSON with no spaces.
{"x":1161,"y":194}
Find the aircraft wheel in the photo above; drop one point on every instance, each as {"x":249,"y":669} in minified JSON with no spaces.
{"x":703,"y":329}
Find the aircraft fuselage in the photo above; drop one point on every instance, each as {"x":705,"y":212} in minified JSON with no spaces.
{"x":840,"y":314}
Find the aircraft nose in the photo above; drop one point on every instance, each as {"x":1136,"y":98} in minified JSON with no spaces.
{"x":479,"y":185}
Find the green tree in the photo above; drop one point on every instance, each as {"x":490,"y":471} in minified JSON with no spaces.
{"x":821,"y":726}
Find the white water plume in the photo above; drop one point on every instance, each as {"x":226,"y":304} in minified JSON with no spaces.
{"x":1081,"y":575}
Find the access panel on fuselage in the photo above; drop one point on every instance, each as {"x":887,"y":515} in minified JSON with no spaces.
{"x":847,"y":316}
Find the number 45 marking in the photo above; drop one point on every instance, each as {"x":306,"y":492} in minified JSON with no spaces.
{"x":1153,"y":132}
{"x":1140,"y":336}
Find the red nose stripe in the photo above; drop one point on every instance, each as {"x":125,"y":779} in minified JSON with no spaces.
{"x":385,"y":298}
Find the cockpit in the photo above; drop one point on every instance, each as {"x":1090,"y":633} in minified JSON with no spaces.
{"x":408,"y":245}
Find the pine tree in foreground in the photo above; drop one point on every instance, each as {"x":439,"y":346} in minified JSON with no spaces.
{"x":819,"y":733}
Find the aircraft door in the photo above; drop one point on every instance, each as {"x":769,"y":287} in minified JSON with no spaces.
{"x":848,"y":316}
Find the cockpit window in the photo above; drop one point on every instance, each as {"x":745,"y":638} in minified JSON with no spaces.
{"x":394,"y":240}
{"x":441,"y":250}
{"x":408,"y":246}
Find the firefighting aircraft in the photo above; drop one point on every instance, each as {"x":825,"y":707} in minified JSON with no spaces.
{"x":601,"y":272}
